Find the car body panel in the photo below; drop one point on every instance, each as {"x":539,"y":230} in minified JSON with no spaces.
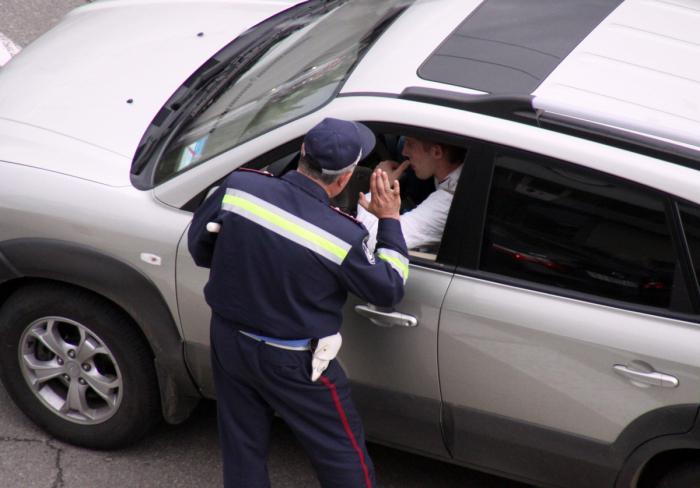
{"x":400,"y":364}
{"x":541,"y":352}
{"x":40,"y":204}
{"x":34,"y":146}
{"x":614,"y":76}
{"x":146,"y":50}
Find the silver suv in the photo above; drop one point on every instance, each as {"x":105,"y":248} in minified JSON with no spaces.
{"x":553,"y":334}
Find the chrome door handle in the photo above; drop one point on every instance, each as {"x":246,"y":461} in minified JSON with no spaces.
{"x":653,"y":378}
{"x":386,"y":319}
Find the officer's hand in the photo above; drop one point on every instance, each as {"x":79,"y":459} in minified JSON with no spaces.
{"x":393,"y":169}
{"x":386,"y":198}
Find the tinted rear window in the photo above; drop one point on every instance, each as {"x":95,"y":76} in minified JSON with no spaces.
{"x":558,"y":226}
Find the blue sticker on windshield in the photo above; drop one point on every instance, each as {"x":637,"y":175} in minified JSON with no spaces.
{"x":192,"y":153}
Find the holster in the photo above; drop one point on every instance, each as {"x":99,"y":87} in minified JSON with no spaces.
{"x":326,"y":350}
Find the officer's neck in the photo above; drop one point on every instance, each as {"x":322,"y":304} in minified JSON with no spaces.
{"x":334,"y":189}
{"x":326,"y":188}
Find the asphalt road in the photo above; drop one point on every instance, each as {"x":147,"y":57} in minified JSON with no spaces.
{"x":172,"y":456}
{"x":25,"y":20}
{"x":188,"y":456}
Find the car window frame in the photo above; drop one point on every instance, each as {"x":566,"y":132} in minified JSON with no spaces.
{"x":447,"y":256}
{"x":689,"y":266}
{"x":479,"y":189}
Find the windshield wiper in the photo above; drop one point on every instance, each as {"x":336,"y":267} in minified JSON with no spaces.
{"x":202,"y":88}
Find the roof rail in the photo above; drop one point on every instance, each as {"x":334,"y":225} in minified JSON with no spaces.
{"x":511,"y":107}
{"x":622,"y":138}
{"x":519,"y":108}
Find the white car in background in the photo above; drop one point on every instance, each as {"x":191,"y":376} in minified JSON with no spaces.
{"x":553,"y":335}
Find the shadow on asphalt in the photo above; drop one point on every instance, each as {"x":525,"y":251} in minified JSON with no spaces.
{"x":187,"y":455}
{"x":290,"y":467}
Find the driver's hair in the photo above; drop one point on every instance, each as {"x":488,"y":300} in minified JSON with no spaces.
{"x":454,"y":154}
{"x":309,"y":167}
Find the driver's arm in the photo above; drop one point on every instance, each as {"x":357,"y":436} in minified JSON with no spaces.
{"x":422,"y":226}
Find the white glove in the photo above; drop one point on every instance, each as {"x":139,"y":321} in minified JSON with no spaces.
{"x":214,"y":227}
{"x":326,"y":350}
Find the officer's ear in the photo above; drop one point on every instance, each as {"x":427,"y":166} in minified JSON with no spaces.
{"x":339,"y":184}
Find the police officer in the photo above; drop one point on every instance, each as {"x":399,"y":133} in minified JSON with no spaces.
{"x":281,"y":266}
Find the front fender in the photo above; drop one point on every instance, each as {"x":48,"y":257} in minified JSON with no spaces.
{"x":120,"y":283}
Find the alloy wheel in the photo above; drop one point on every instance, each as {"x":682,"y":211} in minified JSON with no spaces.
{"x":71,"y":370}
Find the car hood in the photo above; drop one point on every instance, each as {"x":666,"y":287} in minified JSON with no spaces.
{"x":100,"y":76}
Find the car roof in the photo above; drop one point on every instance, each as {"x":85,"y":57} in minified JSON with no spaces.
{"x":630,"y":65}
{"x":638,"y":70}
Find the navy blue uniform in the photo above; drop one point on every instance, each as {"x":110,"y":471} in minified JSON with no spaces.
{"x":281,"y":267}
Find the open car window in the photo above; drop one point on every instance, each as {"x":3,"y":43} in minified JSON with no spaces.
{"x":426,"y":202}
{"x":389,"y":146}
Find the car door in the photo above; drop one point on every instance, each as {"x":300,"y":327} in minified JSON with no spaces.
{"x":568,"y":336}
{"x":391,"y":355}
{"x":393,"y":367}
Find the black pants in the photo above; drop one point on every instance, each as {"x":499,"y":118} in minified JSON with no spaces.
{"x":253,"y":381}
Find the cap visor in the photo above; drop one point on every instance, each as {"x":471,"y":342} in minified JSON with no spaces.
{"x":367,"y":139}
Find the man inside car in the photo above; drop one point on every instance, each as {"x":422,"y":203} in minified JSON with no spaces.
{"x":422,"y":226}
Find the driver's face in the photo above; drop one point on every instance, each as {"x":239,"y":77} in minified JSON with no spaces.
{"x":419,"y":155}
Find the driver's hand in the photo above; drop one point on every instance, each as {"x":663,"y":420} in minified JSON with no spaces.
{"x":393,"y":169}
{"x":386,"y":198}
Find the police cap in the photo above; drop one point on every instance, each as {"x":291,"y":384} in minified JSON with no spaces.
{"x":336,"y":146}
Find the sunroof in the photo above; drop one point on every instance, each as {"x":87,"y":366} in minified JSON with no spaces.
{"x":510,"y":46}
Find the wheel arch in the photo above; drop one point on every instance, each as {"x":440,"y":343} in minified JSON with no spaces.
{"x":657,"y":455}
{"x":662,"y":462}
{"x":25,"y":261}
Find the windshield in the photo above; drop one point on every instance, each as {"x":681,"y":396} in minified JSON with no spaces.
{"x":300,"y":72}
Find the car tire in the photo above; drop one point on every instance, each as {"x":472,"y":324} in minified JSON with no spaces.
{"x":683,"y":475}
{"x":77,"y":366}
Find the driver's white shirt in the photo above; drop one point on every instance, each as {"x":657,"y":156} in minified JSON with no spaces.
{"x":424,"y":225}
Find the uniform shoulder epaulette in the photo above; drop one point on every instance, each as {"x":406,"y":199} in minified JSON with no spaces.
{"x":347,"y":215}
{"x":259,"y":171}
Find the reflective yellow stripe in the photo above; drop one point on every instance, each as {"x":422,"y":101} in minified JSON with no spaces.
{"x":286,"y":225}
{"x":395,"y":263}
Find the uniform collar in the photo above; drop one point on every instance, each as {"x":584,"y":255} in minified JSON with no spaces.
{"x":308,"y":185}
